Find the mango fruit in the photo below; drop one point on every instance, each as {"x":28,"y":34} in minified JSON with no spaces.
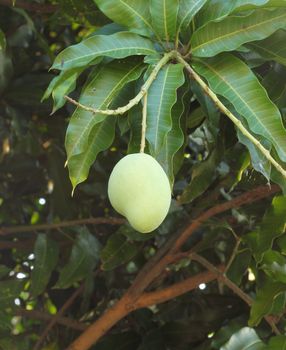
{"x":139,"y":189}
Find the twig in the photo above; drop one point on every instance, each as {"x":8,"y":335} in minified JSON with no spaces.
{"x":43,"y":316}
{"x":222,"y":277}
{"x":4,"y":231}
{"x":144,"y":123}
{"x":121,"y":110}
{"x":59,"y":314}
{"x":231,"y":116}
{"x":34,"y":7}
{"x":156,"y":265}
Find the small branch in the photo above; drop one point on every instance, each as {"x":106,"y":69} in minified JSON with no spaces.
{"x":43,"y":316}
{"x":222,"y":277}
{"x":34,"y":7}
{"x":144,"y":123}
{"x":121,"y":110}
{"x":231,"y":116}
{"x":4,"y":231}
{"x":59,"y":314}
{"x":156,"y":265}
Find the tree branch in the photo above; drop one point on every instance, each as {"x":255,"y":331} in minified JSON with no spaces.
{"x":43,"y":316}
{"x":165,"y":256}
{"x":222,"y":277}
{"x":121,"y":110}
{"x":34,"y":7}
{"x":58,"y":315}
{"x":4,"y":231}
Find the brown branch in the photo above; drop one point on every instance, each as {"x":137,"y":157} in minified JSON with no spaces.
{"x":59,"y":314}
{"x":34,"y":7}
{"x":43,"y":316}
{"x":156,"y":265}
{"x":4,"y":231}
{"x":222,"y":277}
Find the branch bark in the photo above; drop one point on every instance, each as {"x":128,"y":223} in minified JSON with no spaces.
{"x":4,"y":231}
{"x":34,"y":7}
{"x":165,"y":256}
{"x":43,"y":316}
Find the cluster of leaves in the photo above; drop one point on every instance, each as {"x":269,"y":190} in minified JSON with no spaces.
{"x":237,"y":47}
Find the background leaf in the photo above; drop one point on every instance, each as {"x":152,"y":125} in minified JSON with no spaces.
{"x":46,"y":259}
{"x":244,"y":339}
{"x":187,"y":11}
{"x":83,"y":259}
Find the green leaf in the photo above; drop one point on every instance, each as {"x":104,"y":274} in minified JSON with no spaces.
{"x":274,"y":265}
{"x":135,"y":121}
{"x":263,"y":303}
{"x":187,"y":10}
{"x":277,"y":343}
{"x":244,"y":339}
{"x":231,"y":78}
{"x":133,"y":14}
{"x":62,"y":85}
{"x":273,"y":225}
{"x":239,"y":266}
{"x":83,"y":259}
{"x":203,"y":174}
{"x":117,"y":251}
{"x":46,"y":258}
{"x":272,"y":48}
{"x":4,"y":270}
{"x":86,"y":135}
{"x":9,"y":290}
{"x":234,"y":31}
{"x":274,"y":83}
{"x":175,"y":138}
{"x":164,"y":18}
{"x":162,"y":96}
{"x":118,"y":45}
{"x":2,"y":41}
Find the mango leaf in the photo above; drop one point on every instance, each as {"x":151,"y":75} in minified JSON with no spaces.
{"x":277,"y":343}
{"x":264,"y":301}
{"x":239,"y":266}
{"x":175,"y":138}
{"x":83,"y":259}
{"x":118,"y":45}
{"x":85,"y":137}
{"x":162,"y":95}
{"x":2,"y":41}
{"x":164,"y":15}
{"x":274,"y":83}
{"x":133,"y":14}
{"x":274,"y":265}
{"x":230,"y":77}
{"x":62,"y":85}
{"x":219,"y":9}
{"x":203,"y":174}
{"x":118,"y":250}
{"x":46,"y":259}
{"x":187,"y":10}
{"x":244,"y":339}
{"x":9,"y":290}
{"x":273,"y":225}
{"x":272,"y":48}
{"x":232,"y":32}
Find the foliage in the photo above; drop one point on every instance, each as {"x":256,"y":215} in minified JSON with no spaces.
{"x":101,"y":53}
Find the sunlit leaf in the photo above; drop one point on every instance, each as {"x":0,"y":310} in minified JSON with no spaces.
{"x":245,"y":339}
{"x":231,"y":78}
{"x":118,"y":45}
{"x":232,"y":32}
